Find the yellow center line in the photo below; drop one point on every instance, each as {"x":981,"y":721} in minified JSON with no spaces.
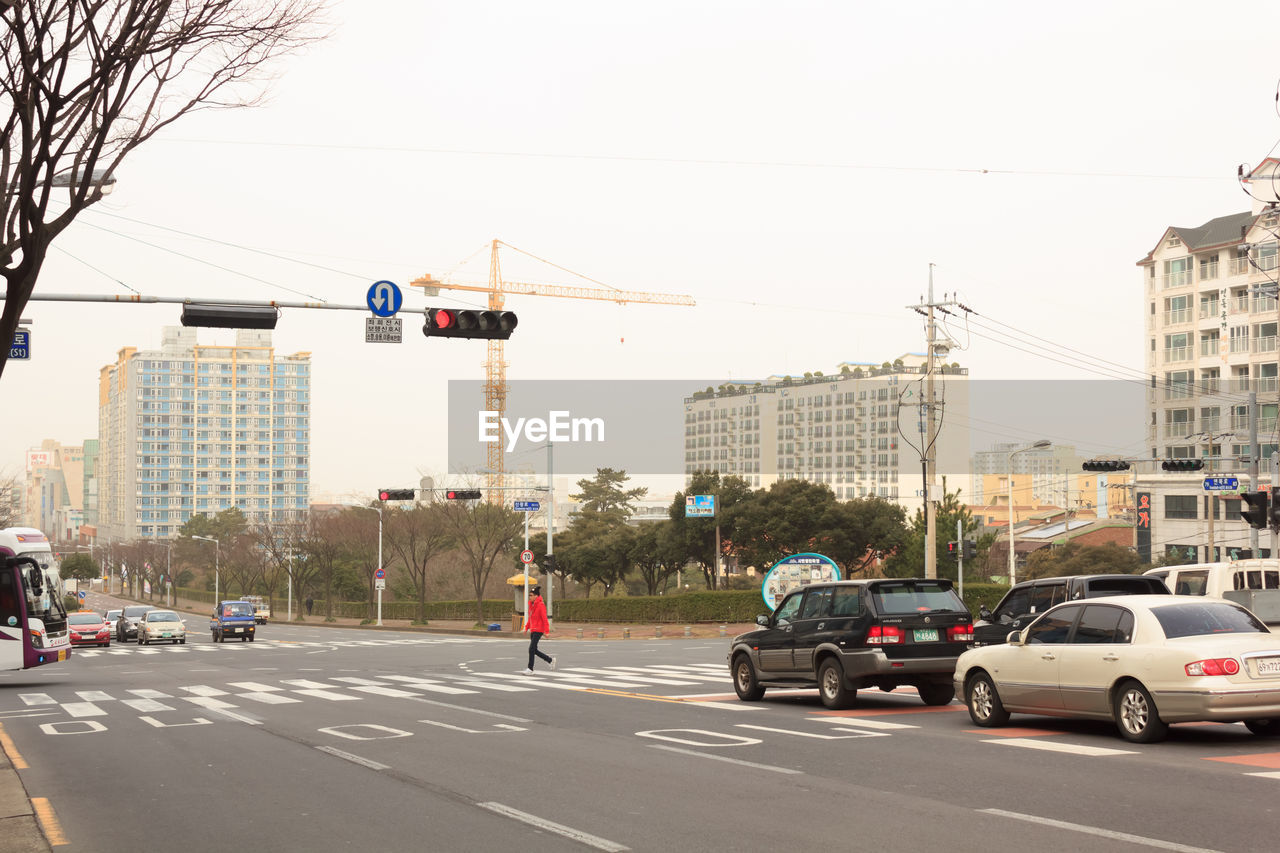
{"x":49,"y":822}
{"x":15,"y":757}
{"x":629,"y":695}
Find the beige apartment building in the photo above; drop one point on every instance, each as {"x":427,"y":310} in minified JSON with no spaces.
{"x":1211,"y":319}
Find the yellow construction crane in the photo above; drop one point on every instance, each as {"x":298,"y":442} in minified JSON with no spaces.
{"x":495,"y":388}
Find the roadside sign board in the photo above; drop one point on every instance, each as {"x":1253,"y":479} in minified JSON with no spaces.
{"x":21,"y":346}
{"x":380,"y":583}
{"x":700,"y":506}
{"x":82,"y":595}
{"x":1221,"y":484}
{"x":383,"y":330}
{"x":526,"y":556}
{"x":383,"y":298}
{"x":528,"y":506}
{"x":379,"y":573}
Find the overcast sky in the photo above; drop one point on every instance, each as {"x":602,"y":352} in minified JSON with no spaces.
{"x":795,"y":167}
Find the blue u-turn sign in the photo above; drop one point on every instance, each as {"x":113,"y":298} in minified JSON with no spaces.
{"x":383,"y":298}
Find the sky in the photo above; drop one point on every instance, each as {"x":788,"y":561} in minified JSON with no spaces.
{"x":798,"y":169}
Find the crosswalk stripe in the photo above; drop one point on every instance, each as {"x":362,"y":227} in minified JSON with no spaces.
{"x":94,"y":696}
{"x":146,"y":705}
{"x":630,"y":675}
{"x":493,"y":685}
{"x":268,"y":698}
{"x":353,"y":680}
{"x":83,"y":709}
{"x":255,"y":686}
{"x":148,"y":693}
{"x":1051,"y":746}
{"x":204,"y":690}
{"x":37,"y":699}
{"x":327,"y":694}
{"x":388,"y":691}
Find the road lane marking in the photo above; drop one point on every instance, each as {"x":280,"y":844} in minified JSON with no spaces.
{"x":883,"y":725}
{"x":1051,"y":746}
{"x":15,"y":757}
{"x":48,"y":822}
{"x":1271,"y":774}
{"x":146,"y":705}
{"x":268,"y":698}
{"x":83,"y":709}
{"x":493,"y":714}
{"x":1257,"y":759}
{"x":558,"y":828}
{"x":737,"y":761}
{"x":503,"y":726}
{"x":854,"y":734}
{"x":1104,"y":833}
{"x":354,"y":759}
{"x":37,"y":699}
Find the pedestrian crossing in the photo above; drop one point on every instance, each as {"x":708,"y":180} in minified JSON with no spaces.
{"x":126,"y":649}
{"x":256,"y":694}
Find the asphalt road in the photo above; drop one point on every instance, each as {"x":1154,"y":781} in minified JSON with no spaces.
{"x":325,"y":739}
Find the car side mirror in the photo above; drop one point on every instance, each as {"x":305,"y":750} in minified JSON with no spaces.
{"x":762,"y":620}
{"x":984,"y":613}
{"x":1014,"y":638}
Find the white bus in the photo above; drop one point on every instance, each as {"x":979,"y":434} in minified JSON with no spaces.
{"x":31,"y":608}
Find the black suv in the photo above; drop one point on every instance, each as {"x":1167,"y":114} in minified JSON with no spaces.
{"x":1027,"y":600}
{"x":847,"y":635}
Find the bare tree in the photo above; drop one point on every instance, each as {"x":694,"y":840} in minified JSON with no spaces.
{"x":277,"y":542}
{"x":85,"y":82}
{"x":415,"y":536}
{"x":325,"y":546}
{"x":10,"y":496}
{"x":484,"y":532}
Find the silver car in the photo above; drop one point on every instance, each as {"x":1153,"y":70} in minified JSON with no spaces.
{"x":1143,"y":661}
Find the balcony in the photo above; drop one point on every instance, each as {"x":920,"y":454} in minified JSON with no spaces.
{"x":1240,"y":304}
{"x":1265,"y":344}
{"x":1239,"y":344}
{"x":1239,"y":266}
{"x":1240,"y":385}
{"x":1209,"y":310}
{"x":1267,"y":384}
{"x":1173,"y":354}
{"x":1177,"y":315}
{"x":1177,"y":430}
{"x":1210,"y":424}
{"x":1175,"y":279}
{"x":1209,"y":271}
{"x":1263,"y":305}
{"x":1209,"y":347}
{"x":1208,"y":385}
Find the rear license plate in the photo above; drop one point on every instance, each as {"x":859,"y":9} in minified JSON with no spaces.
{"x":237,"y":630}
{"x":1268,"y":666}
{"x":926,"y":635}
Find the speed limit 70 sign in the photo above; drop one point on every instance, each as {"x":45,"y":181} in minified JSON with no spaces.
{"x":526,"y":556}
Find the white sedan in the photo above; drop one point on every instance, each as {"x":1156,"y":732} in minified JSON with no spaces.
{"x":156,"y":625}
{"x":1144,"y":661}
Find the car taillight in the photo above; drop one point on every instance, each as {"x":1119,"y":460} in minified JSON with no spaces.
{"x":1213,"y":666}
{"x":960,"y":633}
{"x":879,"y":635}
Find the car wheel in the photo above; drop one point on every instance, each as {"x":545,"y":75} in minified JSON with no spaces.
{"x":1136,"y":715}
{"x":1264,"y":728}
{"x":831,"y":687}
{"x":985,"y":707}
{"x":183,"y":641}
{"x":744,"y":680}
{"x":251,"y":636}
{"x":935,"y":693}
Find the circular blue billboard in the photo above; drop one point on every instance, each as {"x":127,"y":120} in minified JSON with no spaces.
{"x":794,"y":572}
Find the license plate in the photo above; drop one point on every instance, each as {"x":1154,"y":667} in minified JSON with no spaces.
{"x":926,"y":635}
{"x":1268,"y":666}
{"x":236,"y":630}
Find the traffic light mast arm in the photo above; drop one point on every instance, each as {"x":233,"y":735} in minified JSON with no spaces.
{"x":526,"y":289}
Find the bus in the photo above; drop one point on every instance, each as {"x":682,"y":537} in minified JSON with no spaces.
{"x":33,"y":619}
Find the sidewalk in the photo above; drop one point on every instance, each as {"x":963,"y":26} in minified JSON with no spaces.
{"x":18,"y":824}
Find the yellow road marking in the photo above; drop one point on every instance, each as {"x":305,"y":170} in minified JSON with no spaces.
{"x":628,"y":695}
{"x":15,"y":757}
{"x":49,"y":822}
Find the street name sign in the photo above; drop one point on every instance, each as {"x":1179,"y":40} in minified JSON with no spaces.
{"x":527,"y":506}
{"x":21,"y":346}
{"x":1221,"y":484}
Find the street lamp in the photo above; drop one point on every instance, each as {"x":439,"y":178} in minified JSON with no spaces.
{"x":1013,"y":566}
{"x":378,"y":510}
{"x":217,"y":552}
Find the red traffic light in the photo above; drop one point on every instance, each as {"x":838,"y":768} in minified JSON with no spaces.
{"x":445,"y":319}
{"x":462,"y":495}
{"x":458,"y":323}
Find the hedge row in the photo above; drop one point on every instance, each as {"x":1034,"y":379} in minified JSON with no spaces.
{"x":688,"y":607}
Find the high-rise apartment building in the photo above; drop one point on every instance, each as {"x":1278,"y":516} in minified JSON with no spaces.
{"x":193,"y":430}
{"x":859,"y":430}
{"x":1053,"y":471}
{"x":1211,"y":318}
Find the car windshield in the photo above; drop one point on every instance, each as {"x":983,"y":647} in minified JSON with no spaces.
{"x":237,"y":608}
{"x":112,"y":614}
{"x":1125,"y":586}
{"x":134,"y":612}
{"x":915,"y":597}
{"x":84,"y":619}
{"x":165,"y":616}
{"x":1205,"y":618}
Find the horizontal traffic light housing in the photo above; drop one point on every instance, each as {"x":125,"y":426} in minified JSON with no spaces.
{"x":395,"y":494}
{"x":1105,"y":465}
{"x":462,"y":494}
{"x":456,"y":323}
{"x":1182,"y":464}
{"x":229,"y":316}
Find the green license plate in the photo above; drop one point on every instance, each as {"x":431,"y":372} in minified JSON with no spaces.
{"x":926,"y":635}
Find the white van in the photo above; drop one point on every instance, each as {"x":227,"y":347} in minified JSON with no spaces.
{"x":1253,"y":583}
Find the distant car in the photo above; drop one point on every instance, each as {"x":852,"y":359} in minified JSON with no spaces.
{"x":88,"y":628}
{"x":1027,"y":600}
{"x":261,"y":609}
{"x":127,"y":623}
{"x":156,"y":625}
{"x":1143,"y":661}
{"x":110,"y":617}
{"x":847,"y":635}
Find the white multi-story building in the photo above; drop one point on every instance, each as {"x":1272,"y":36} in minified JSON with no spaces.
{"x":1053,"y":471}
{"x":192,"y":430}
{"x":1211,"y":318}
{"x":859,"y":430}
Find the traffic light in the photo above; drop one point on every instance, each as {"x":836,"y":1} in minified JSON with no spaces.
{"x":1253,"y":509}
{"x":1273,"y":515}
{"x":1105,"y":465}
{"x":970,"y":549}
{"x":463,"y":494}
{"x":1182,"y":464}
{"x":395,"y":494}
{"x":454,"y":323}
{"x":953,"y":549}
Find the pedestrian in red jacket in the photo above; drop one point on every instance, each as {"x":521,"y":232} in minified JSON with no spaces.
{"x":536,"y":624}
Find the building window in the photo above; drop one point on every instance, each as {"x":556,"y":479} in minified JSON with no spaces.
{"x":1180,"y":506}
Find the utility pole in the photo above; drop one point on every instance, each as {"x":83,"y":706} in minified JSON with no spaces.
{"x":928,"y":460}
